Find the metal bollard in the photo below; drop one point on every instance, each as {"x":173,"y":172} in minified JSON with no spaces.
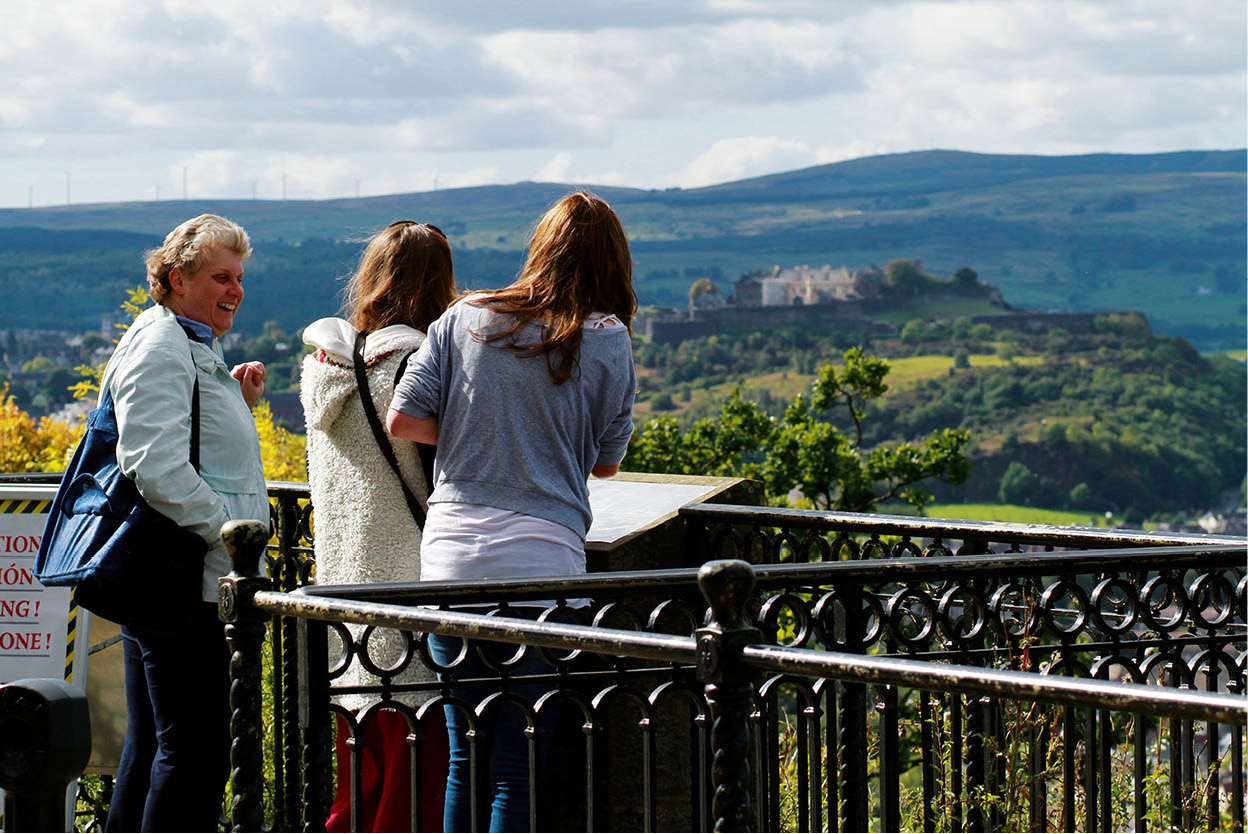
{"x":727,"y":586}
{"x":45,"y":742}
{"x":244,"y":630}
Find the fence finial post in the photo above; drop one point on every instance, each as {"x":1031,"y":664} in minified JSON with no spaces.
{"x":727,"y":586}
{"x":244,"y":630}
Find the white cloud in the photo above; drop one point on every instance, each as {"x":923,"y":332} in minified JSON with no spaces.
{"x":476,"y":176}
{"x":556,"y":170}
{"x":745,"y":156}
{"x":648,"y":92}
{"x":633,"y":72}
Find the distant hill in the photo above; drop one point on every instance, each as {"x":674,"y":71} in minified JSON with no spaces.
{"x":1162,"y":233}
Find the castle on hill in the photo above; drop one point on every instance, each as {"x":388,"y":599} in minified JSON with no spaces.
{"x":851,"y":300}
{"x":806,"y":285}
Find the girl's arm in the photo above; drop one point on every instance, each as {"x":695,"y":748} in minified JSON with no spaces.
{"x":418,"y":429}
{"x":605,"y":470}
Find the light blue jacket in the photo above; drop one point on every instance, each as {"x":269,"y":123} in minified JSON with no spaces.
{"x":151,"y":379}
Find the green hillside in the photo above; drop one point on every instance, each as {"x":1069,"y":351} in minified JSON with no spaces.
{"x":1114,"y":418}
{"x":1161,"y":233}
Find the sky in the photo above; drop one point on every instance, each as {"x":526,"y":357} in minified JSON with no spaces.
{"x":125,"y":100}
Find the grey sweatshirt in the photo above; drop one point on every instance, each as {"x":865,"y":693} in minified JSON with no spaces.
{"x":508,"y":437}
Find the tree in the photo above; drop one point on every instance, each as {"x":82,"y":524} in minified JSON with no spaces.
{"x":801,"y":450}
{"x":903,"y":276}
{"x":29,"y":446}
{"x":663,"y":402}
{"x":701,"y":287}
{"x":283,"y":453}
{"x":965,"y":277}
{"x":913,"y":331}
{"x":38,"y":365}
{"x":1018,"y":485}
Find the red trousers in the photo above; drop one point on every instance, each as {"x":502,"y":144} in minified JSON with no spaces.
{"x":386,"y":775}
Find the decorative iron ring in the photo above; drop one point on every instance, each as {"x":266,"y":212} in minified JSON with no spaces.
{"x":894,"y":612}
{"x":1204,"y":587}
{"x":346,"y":650}
{"x":1212,"y":659}
{"x":774,"y":550}
{"x":841,"y":545}
{"x":1010,"y":623}
{"x":1174,"y":591}
{"x":874,"y":547}
{"x":683,"y":609}
{"x":375,"y":668}
{"x":1130,"y":601}
{"x":576,"y":618}
{"x":757,"y":540}
{"x":769,"y":618}
{"x":949,"y":624}
{"x":613,"y":609}
{"x":824,"y":617}
{"x":813,"y":540}
{"x":1048,"y":601}
{"x":717,"y":543}
{"x":1155,"y":663}
{"x":1101,"y":666}
{"x":906,"y":547}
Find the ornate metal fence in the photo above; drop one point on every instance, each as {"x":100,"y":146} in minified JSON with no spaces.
{"x":955,"y":737}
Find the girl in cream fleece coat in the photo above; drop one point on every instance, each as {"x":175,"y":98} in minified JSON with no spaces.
{"x":364,"y":531}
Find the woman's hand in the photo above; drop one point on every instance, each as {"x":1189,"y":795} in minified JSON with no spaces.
{"x":250,"y":376}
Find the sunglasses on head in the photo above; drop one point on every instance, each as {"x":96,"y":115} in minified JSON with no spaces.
{"x":429,"y":226}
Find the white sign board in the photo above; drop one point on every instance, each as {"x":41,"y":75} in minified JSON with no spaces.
{"x":36,"y":633}
{"x":39,"y":637}
{"x":622,"y":506}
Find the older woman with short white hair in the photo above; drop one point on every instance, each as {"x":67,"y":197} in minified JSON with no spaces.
{"x":176,"y":755}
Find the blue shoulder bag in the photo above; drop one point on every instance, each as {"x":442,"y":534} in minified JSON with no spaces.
{"x":126,"y":561}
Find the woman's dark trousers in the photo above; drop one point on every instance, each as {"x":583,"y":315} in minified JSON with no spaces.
{"x":176,"y":755}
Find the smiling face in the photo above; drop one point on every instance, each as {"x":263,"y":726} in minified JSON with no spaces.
{"x":211,"y":295}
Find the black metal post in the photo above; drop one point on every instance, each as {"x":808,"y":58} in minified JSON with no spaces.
{"x":286,"y":675}
{"x":244,"y":630}
{"x":974,"y":752}
{"x":316,"y":723}
{"x":890,"y":759}
{"x":727,"y":585}
{"x":852,"y":745}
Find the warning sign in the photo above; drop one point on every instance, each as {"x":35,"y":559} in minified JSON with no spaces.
{"x":37,"y":624}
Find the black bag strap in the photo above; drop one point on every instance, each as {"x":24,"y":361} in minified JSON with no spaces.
{"x":383,"y":442}
{"x":191,"y":337}
{"x":195,"y":420}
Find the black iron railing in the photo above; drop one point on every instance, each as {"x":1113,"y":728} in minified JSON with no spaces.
{"x":769,"y":535}
{"x":862,"y":741}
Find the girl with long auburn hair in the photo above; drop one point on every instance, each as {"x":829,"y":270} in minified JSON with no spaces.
{"x":527,"y":391}
{"x":365,"y":531}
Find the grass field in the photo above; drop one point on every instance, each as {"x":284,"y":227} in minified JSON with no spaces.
{"x":784,"y":385}
{"x":1016,"y":514}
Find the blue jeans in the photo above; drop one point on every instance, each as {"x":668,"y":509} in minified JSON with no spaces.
{"x":502,"y":746}
{"x":176,"y":756}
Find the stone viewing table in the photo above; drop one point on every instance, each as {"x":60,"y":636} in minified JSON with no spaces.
{"x":636,"y":523}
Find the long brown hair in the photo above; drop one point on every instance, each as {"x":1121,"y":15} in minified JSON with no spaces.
{"x":405,"y":276}
{"x":578,"y":264}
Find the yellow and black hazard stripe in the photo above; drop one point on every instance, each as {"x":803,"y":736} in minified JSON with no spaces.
{"x":70,"y":631}
{"x":25,"y":505}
